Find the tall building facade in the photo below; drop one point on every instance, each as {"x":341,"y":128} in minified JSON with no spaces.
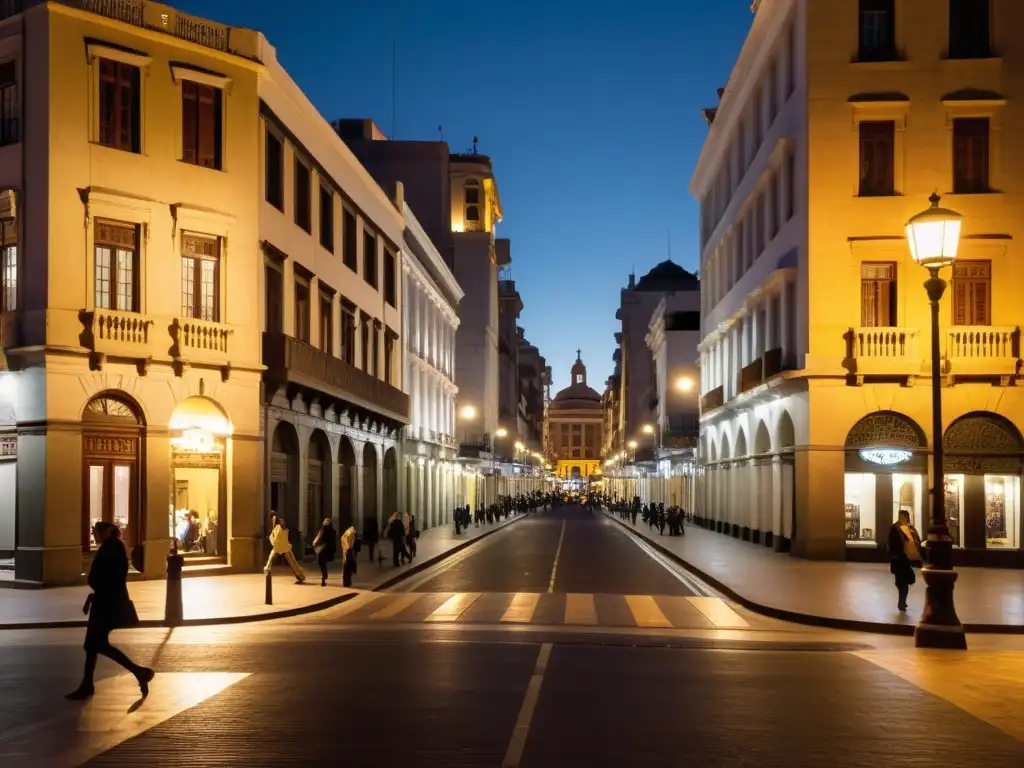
{"x":430,"y":321}
{"x":837,"y":123}
{"x":332,"y":314}
{"x":130,"y":364}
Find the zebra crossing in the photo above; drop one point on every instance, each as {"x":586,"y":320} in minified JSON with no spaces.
{"x":550,"y":609}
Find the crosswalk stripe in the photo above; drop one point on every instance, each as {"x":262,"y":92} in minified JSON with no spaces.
{"x":522,"y":608}
{"x":454,"y":607}
{"x":718,"y":612}
{"x":396,"y":607}
{"x":360,"y":601}
{"x":646,"y":612}
{"x":579,"y":609}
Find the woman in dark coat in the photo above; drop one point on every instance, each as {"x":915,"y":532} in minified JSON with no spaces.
{"x":326,"y":547}
{"x":109,"y":608}
{"x":371,"y":534}
{"x":904,"y":555}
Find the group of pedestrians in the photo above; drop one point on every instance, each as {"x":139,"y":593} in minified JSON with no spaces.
{"x":325,"y":546}
{"x":506,"y":506}
{"x":656,"y":516}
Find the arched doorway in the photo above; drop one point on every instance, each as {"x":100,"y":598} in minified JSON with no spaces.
{"x":390,"y":490}
{"x":346,"y":484}
{"x":886,"y":471}
{"x":113,"y":433}
{"x":284,"y":476}
{"x":370,"y":484}
{"x":983,"y":453}
{"x":199,"y":429}
{"x":318,"y":485}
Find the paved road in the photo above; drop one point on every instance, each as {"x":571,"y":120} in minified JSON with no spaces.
{"x":325,"y":690}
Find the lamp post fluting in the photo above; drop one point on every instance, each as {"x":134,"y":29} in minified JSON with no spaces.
{"x":934,"y":238}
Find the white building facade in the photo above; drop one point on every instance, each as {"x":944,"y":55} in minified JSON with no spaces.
{"x":433,"y":474}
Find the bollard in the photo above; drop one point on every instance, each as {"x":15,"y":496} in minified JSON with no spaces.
{"x":269,"y":599}
{"x":172,"y":607}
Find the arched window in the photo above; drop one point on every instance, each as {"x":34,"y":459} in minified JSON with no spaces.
{"x":471,"y":197}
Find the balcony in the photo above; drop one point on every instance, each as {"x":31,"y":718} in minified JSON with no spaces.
{"x":983,"y":350}
{"x":108,"y":332}
{"x":290,"y":361}
{"x":883,"y":352}
{"x":200,"y":341}
{"x":713,"y":399}
{"x":751,"y":375}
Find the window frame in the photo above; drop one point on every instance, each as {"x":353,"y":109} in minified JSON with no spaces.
{"x":966,"y":47}
{"x":871,"y":139}
{"x":326,"y":328}
{"x":962,"y":286}
{"x":273,"y":301}
{"x":349,"y":239}
{"x":302,"y":195}
{"x":302,"y":321}
{"x":882,"y":50}
{"x":8,"y":246}
{"x":111,"y":72}
{"x":213,"y":255}
{"x":370,"y":258}
{"x":970,"y":184}
{"x":349,"y":329}
{"x":871,"y":273}
{"x":10,"y":106}
{"x":390,"y":277}
{"x":326,"y":223}
{"x":274,"y":196}
{"x":114,"y":266}
{"x":193,"y":90}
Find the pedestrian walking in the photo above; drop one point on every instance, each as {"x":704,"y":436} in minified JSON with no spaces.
{"x":411,"y":534}
{"x":371,"y":534}
{"x":395,"y":531}
{"x":282,"y":547}
{"x":348,"y":556}
{"x":326,"y":547}
{"x":109,"y":607}
{"x":904,"y":555}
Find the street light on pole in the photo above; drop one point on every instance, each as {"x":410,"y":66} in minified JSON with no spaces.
{"x":934,"y":238}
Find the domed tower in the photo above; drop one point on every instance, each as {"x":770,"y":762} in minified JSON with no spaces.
{"x":575,"y":423}
{"x":579,"y":371}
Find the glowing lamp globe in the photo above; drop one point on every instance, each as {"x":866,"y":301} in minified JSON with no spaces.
{"x":934,"y":235}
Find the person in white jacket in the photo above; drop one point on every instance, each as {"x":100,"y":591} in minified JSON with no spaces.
{"x":282,"y":546}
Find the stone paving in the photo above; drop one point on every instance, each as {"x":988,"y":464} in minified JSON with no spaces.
{"x":841,"y":593}
{"x":213,"y":599}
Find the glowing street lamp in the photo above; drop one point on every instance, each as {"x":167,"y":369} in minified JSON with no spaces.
{"x":647,"y":429}
{"x":684,"y":384}
{"x":501,"y":432}
{"x":467,"y":413}
{"x":934,"y":239}
{"x":632,"y":445}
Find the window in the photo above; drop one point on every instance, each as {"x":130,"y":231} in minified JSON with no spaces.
{"x":969,"y":29}
{"x":972,"y":293}
{"x":389,"y":278}
{"x":472,"y":200}
{"x":364,"y":341}
{"x":877,"y":172}
{"x":302,"y":192}
{"x":970,"y":155}
{"x":348,"y":332}
{"x":8,"y":265}
{"x":201,"y":124}
{"x":389,"y":354}
{"x":326,"y":323}
{"x":9,"y":107}
{"x":790,"y":186}
{"x":791,"y":60}
{"x":370,"y":258}
{"x":274,"y":175}
{"x":302,"y":309}
{"x":327,"y":218}
{"x":274,"y":306}
{"x":771,"y":205}
{"x":348,"y":240}
{"x":200,"y":277}
{"x":773,"y":92}
{"x":375,"y":351}
{"x":119,"y":105}
{"x":877,"y":30}
{"x":877,"y":295}
{"x":116,"y":266}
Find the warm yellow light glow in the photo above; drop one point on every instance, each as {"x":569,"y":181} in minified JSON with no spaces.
{"x":934,"y":235}
{"x":648,"y":429}
{"x":632,"y":444}
{"x":684,"y":384}
{"x":520,"y":447}
{"x":200,"y":412}
{"x":467,"y":412}
{"x":501,"y":432}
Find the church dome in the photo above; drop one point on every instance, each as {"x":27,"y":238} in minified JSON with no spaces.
{"x":668,"y":276}
{"x":577,"y":396}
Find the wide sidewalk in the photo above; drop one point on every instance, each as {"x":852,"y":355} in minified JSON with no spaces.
{"x":839,"y":594}
{"x":239,"y":597}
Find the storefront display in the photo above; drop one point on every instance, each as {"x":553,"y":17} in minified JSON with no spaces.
{"x":1002,"y":510}
{"x":908,"y":494}
{"x":860,"y":509}
{"x":955,"y":507}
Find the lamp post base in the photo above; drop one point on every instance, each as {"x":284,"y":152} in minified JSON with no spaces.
{"x":939,"y":626}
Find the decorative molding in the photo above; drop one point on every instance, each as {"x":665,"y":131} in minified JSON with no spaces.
{"x":889,"y":429}
{"x":180,"y":71}
{"x":110,"y":445}
{"x":982,"y":434}
{"x":97,"y":50}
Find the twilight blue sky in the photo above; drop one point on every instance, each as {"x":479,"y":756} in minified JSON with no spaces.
{"x":590,"y":110}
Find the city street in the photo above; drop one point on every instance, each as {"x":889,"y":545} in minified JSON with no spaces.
{"x":558,"y":641}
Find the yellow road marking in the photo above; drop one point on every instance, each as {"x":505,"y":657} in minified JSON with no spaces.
{"x":646,"y":612}
{"x":514,"y":753}
{"x":393,"y":609}
{"x":579,"y":609}
{"x":522,"y":608}
{"x":718,"y":612}
{"x":454,"y":606}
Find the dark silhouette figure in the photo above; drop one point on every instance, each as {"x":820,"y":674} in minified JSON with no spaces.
{"x":904,"y":555}
{"x":109,"y":608}
{"x":326,"y":547}
{"x":371,"y":534}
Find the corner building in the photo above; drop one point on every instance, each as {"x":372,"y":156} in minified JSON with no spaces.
{"x":837,"y":123}
{"x":129,"y":349}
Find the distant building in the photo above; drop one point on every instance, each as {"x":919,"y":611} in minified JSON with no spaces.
{"x":575,"y":424}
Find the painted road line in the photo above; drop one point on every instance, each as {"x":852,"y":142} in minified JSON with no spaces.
{"x":359,"y":601}
{"x":78,"y":732}
{"x":718,"y":612}
{"x":398,"y":605}
{"x":580,"y":609}
{"x":646,"y":612}
{"x":522,"y":608}
{"x":454,"y":607}
{"x":514,"y":753}
{"x":554,"y":565}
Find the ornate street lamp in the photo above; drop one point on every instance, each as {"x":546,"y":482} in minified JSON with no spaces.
{"x":934,"y":238}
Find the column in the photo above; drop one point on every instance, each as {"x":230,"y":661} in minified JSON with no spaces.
{"x":784,"y":322}
{"x":769,"y":321}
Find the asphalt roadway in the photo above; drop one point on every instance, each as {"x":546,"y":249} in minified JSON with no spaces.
{"x":559,"y":641}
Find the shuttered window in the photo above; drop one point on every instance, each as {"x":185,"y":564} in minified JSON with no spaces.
{"x":971,"y":155}
{"x":119,"y":105}
{"x":877,"y":169}
{"x":201,"y":124}
{"x":972,"y":293}
{"x":877,"y":295}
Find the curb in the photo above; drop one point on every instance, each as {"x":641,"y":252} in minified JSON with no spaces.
{"x":855,"y":625}
{"x":400,"y":577}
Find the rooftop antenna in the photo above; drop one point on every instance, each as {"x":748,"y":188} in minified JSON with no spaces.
{"x":475,"y":140}
{"x":440,"y":132}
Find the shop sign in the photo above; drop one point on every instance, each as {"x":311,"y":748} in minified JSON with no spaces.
{"x":886,"y":457}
